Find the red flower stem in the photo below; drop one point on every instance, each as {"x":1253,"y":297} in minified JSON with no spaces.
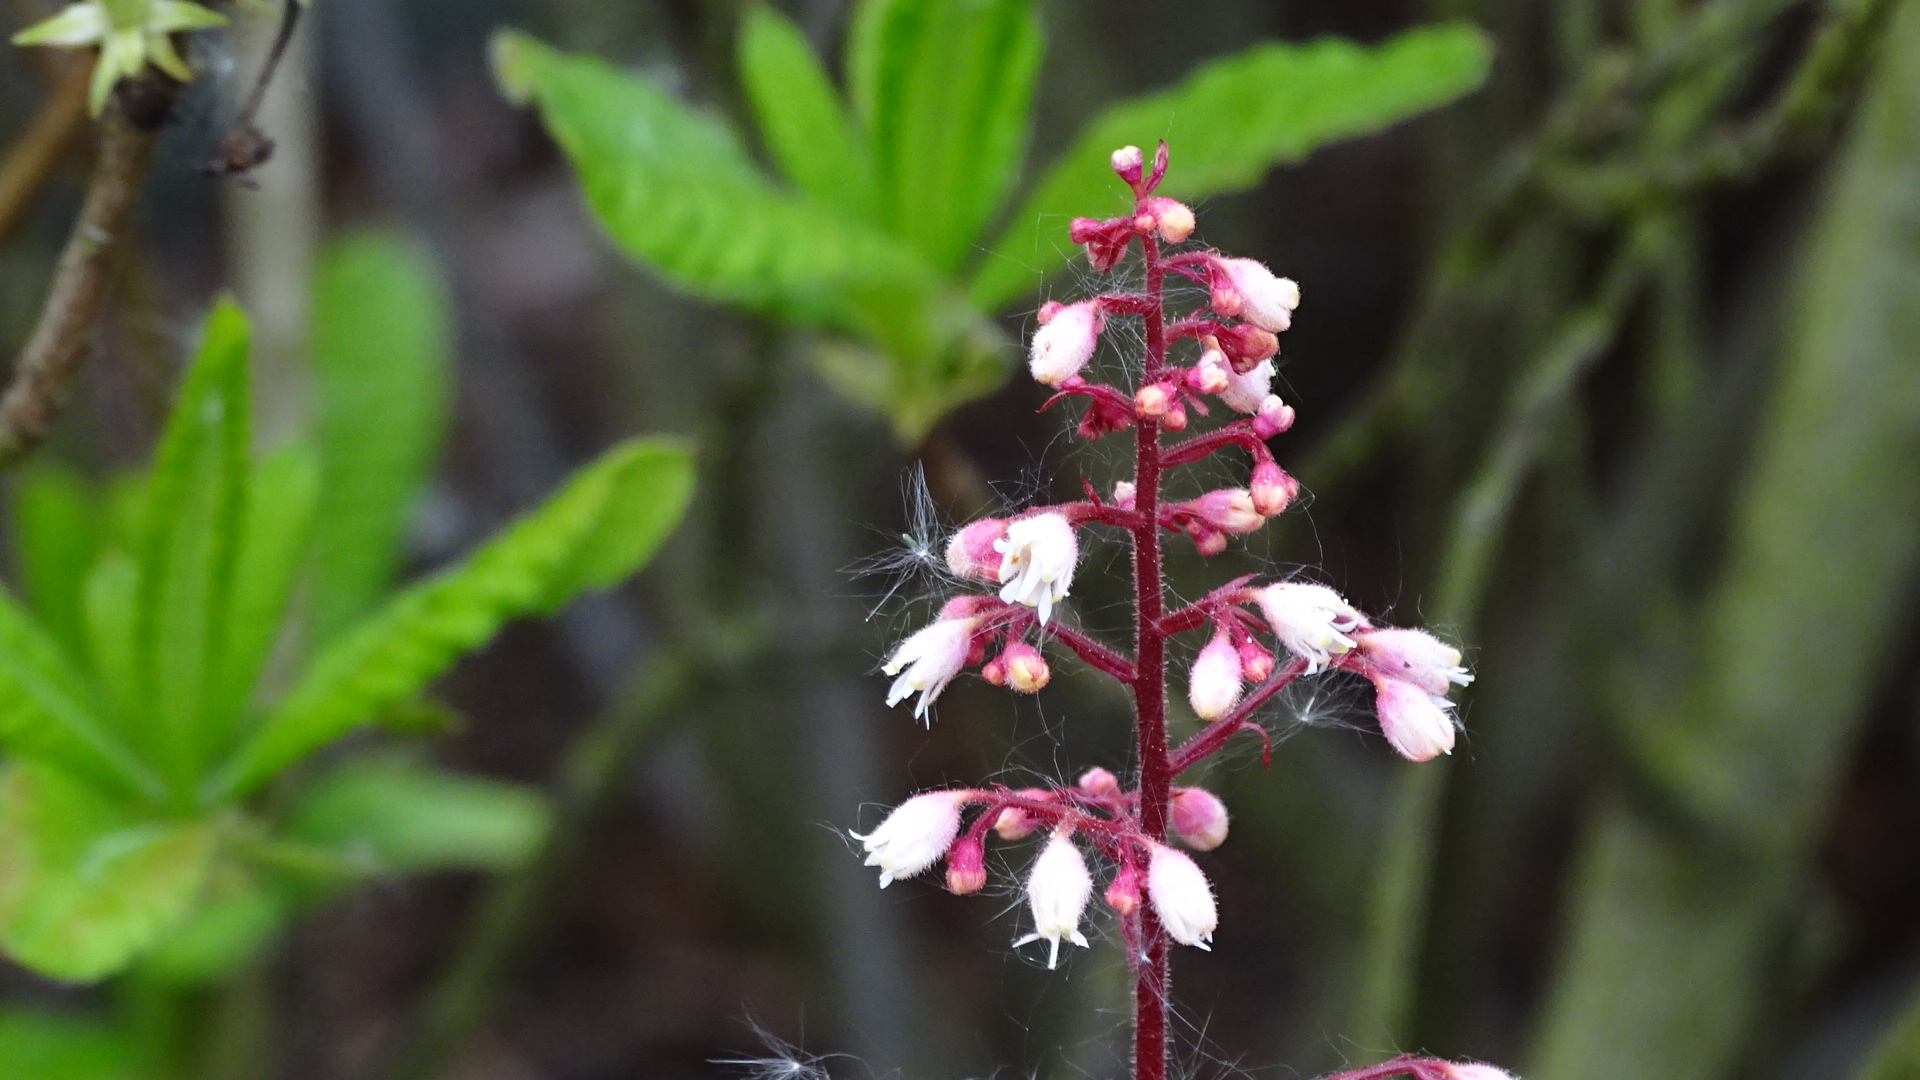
{"x":1093,"y":652}
{"x":1149,"y":963}
{"x":1238,"y":433}
{"x":1196,"y":749}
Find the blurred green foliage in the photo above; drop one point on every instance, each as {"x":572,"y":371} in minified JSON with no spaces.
{"x":879,"y":231}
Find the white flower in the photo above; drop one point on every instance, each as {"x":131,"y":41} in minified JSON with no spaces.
{"x":1245,"y":393}
{"x":1037,"y":561}
{"x":1312,"y":621}
{"x":915,"y":835}
{"x":1064,"y":345}
{"x":1181,"y":897}
{"x":1416,"y":656}
{"x":1416,"y":723}
{"x":129,"y":35}
{"x":1057,"y":891}
{"x":1213,"y":686}
{"x":932,"y":657}
{"x":1265,"y":301}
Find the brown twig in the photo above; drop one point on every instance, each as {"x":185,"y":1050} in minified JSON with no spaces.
{"x":31,"y":160}
{"x":80,"y":284}
{"x":245,"y":146}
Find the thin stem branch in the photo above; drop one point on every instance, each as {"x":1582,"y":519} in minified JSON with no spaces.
{"x":81,"y":281}
{"x":1217,"y":734}
{"x":1093,"y":652}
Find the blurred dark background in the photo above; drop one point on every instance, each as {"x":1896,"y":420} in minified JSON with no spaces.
{"x":1584,"y":909}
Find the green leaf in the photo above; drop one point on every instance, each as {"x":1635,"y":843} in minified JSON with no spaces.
{"x":47,"y":708}
{"x":945,"y":88}
{"x":112,"y":593}
{"x":408,"y":816}
{"x":49,"y":1046}
{"x":602,"y":526}
{"x":802,"y":122}
{"x":1226,"y":125}
{"x":85,"y":886}
{"x":56,"y":535}
{"x":1676,"y":922}
{"x":273,"y":543}
{"x":192,"y":515}
{"x":382,"y":339}
{"x":236,"y":920}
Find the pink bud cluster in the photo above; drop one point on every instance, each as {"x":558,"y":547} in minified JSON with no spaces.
{"x":1095,"y":812}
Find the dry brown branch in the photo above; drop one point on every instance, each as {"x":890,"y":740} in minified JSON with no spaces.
{"x":80,"y":284}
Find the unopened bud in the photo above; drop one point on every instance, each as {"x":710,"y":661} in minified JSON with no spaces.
{"x":1231,"y":510}
{"x":1181,"y":897}
{"x":1159,"y":164}
{"x":1264,"y":300}
{"x":1256,"y":663}
{"x":1213,"y":685}
{"x":994,"y":671}
{"x":1199,"y":817}
{"x":1152,"y":402}
{"x":971,"y":554}
{"x":967,"y":866}
{"x":1171,"y":218}
{"x":1065,"y":341}
{"x":1208,"y":542}
{"x":1099,"y":782}
{"x":1274,"y":417}
{"x":1212,"y":374}
{"x":1014,"y":824}
{"x":1273,"y":490}
{"x":1026,"y":669}
{"x":1176,"y":418}
{"x":1245,"y":346}
{"x":1472,"y":1070}
{"x":1123,"y":494}
{"x":1123,"y":893}
{"x":1128,"y":162}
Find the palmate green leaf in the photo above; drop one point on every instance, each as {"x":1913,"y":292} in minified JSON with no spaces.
{"x":675,"y":190}
{"x":84,"y":885}
{"x":408,"y":816}
{"x":1226,"y":125}
{"x":945,"y":89}
{"x":602,"y":526}
{"x":380,"y":352}
{"x":56,"y":535}
{"x":273,"y":543}
{"x":48,"y":1046}
{"x":48,"y":709}
{"x":191,"y":519}
{"x":801,"y":119}
{"x":1674,"y":933}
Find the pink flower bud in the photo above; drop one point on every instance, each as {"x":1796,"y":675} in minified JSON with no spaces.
{"x":1152,"y":402}
{"x":1105,"y":241}
{"x":1199,"y":817}
{"x":971,"y":554}
{"x":1470,"y":1070}
{"x":1027,"y":670}
{"x":1099,"y":782}
{"x":1263,"y":300}
{"x":1206,"y":541}
{"x":1311,"y":621}
{"x":1057,"y":893}
{"x":1128,"y":162}
{"x":1123,"y":494}
{"x":1159,"y":165}
{"x":1247,"y":389}
{"x":1274,"y":417}
{"x":931,"y":657}
{"x":1181,"y":897}
{"x":1065,"y":342}
{"x":1123,"y":892}
{"x":1037,"y":559}
{"x":994,"y":672}
{"x":1213,"y":685}
{"x":1171,"y":218}
{"x":1245,"y":346}
{"x":1272,"y":489}
{"x":1014,"y":824}
{"x":1176,"y":418}
{"x":966,"y":866}
{"x":915,"y":835}
{"x":1256,"y":663}
{"x":1416,"y":656}
{"x":1415,"y":722}
{"x":1230,"y":510}
{"x":1212,"y":375}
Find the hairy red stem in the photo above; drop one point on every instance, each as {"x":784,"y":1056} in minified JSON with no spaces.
{"x":1150,"y":695}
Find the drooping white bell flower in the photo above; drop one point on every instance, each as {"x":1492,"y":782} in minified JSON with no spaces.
{"x":1066,"y":342}
{"x":1037,"y":558}
{"x":1416,"y":656}
{"x":1312,"y":621}
{"x":1416,"y":723}
{"x":1181,"y":897}
{"x":1213,"y":685}
{"x":932,"y":657}
{"x":1246,"y":392}
{"x":915,"y":835}
{"x":1057,"y":893}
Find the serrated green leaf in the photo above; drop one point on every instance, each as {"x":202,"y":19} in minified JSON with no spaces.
{"x":56,"y":536}
{"x":48,"y":1046}
{"x":602,"y":526}
{"x":84,"y":885}
{"x":381,"y":348}
{"x":48,"y":710}
{"x":192,"y":513}
{"x":409,"y":816}
{"x":1226,"y":125}
{"x":274,"y":534}
{"x":803,"y":124}
{"x":945,"y":88}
